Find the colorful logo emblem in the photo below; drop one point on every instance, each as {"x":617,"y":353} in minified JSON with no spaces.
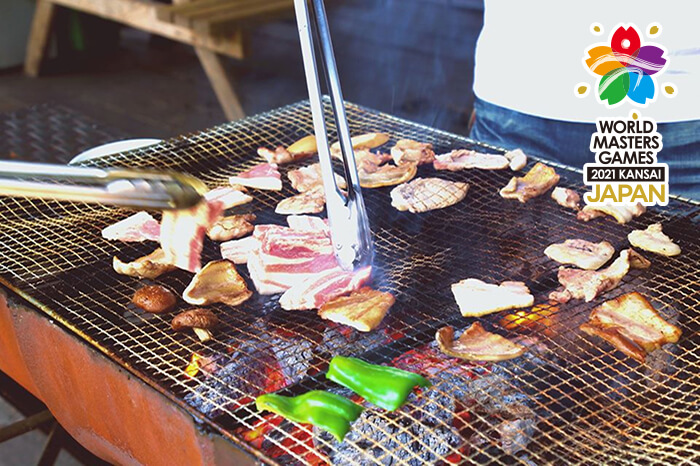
{"x":626,"y":67}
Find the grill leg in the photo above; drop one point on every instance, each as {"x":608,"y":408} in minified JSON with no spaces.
{"x":25,"y":425}
{"x":53,"y":446}
{"x":39,"y":36}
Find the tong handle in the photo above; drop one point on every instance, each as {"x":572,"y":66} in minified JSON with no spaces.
{"x":347,"y":216}
{"x":138,"y":189}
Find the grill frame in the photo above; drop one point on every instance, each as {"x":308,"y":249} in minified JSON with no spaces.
{"x":62,"y":291}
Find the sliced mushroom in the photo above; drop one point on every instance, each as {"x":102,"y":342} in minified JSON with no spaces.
{"x":154,"y":298}
{"x":200,"y":320}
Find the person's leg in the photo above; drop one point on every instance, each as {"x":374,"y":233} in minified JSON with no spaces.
{"x":568,"y":143}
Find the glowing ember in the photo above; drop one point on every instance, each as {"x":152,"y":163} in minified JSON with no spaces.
{"x":538,"y":318}
{"x":192,"y":368}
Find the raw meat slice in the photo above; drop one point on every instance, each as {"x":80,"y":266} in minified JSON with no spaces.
{"x":263,"y":176}
{"x":313,"y":292}
{"x":477,"y":298}
{"x":462,"y":159}
{"x":228,"y":196}
{"x":136,"y":228}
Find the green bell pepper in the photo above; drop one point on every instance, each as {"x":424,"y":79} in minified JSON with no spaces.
{"x":328,"y":411}
{"x":386,"y":387}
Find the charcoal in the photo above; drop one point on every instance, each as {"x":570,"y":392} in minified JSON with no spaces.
{"x":241,"y":373}
{"x":349,"y":341}
{"x":293,"y":356}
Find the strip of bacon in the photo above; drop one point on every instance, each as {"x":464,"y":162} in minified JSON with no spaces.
{"x":262,"y":176}
{"x":182,"y":233}
{"x":136,"y":228}
{"x":315,"y":291}
{"x":228,"y":196}
{"x":308,"y":223}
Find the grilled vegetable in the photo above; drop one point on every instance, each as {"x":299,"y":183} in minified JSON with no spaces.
{"x":200,"y":320}
{"x":330,"y":412}
{"x":154,"y":299}
{"x":384,"y":386}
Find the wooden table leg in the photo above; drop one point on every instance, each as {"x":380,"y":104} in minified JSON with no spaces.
{"x":39,"y":36}
{"x":223,"y":87}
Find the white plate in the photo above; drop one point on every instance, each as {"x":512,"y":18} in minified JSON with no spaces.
{"x":113,"y":148}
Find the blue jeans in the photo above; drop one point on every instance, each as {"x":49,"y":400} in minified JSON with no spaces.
{"x":568,"y":143}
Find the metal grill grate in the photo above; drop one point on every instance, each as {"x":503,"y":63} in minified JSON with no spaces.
{"x":570,"y":400}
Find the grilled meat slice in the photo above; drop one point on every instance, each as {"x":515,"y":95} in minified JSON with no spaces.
{"x":308,"y":223}
{"x":373,"y":176}
{"x":217,"y":282}
{"x":621,"y":213}
{"x":182,"y":233}
{"x":537,"y":181}
{"x":589,"y":284}
{"x":517,"y":159}
{"x":308,"y":178}
{"x":151,"y":266}
{"x":581,"y":253}
{"x":363,"y":141}
{"x":654,"y":240}
{"x":231,"y":227}
{"x":309,"y":202}
{"x":303,"y":148}
{"x":462,"y":159}
{"x":154,"y":299}
{"x":476,"y":344}
{"x":135,"y":228}
{"x":424,"y":194}
{"x":320,"y":288}
{"x":566,"y":197}
{"x":632,"y":325}
{"x":262,"y":176}
{"x":238,"y":250}
{"x":476,"y":298}
{"x":228,"y":196}
{"x":414,"y":152}
{"x":362,"y":309}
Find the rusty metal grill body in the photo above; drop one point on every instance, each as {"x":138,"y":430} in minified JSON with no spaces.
{"x":585,"y":402}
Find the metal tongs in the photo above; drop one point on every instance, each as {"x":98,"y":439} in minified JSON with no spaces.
{"x":137,"y":189}
{"x":347,"y":216}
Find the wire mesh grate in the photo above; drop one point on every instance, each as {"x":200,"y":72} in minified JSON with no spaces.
{"x":571,"y":399}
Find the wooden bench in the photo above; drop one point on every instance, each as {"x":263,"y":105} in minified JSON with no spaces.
{"x":204,"y":24}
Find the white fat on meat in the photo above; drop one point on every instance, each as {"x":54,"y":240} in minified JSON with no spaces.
{"x":313,"y":292}
{"x":566,"y":197}
{"x":238,"y":250}
{"x":622,"y":213}
{"x":516,"y":158}
{"x":654,"y":240}
{"x":463,"y":159}
{"x":308,"y":223}
{"x":228,"y":196}
{"x":262,"y":176}
{"x":182,"y":233}
{"x":135,"y":228}
{"x":477,"y":298}
{"x":581,"y":253}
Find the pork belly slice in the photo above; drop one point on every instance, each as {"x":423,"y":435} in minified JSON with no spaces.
{"x":182,"y":233}
{"x":231,"y":227}
{"x":151,"y":266}
{"x":463,"y":159}
{"x":476,"y":344}
{"x":308,"y":223}
{"x":363,"y":309}
{"x":238,"y":250}
{"x":410,"y":151}
{"x":287,"y":243}
{"x":317,"y":290}
{"x":424,"y":194}
{"x":540,"y":179}
{"x":308,"y":178}
{"x":516,"y":159}
{"x":581,"y":253}
{"x":622,"y":213}
{"x":263,"y":176}
{"x":654,"y":240}
{"x":309,"y":202}
{"x":217,"y":282}
{"x":228,"y":196}
{"x":632,"y":325}
{"x":477,"y":298}
{"x":589,"y":284}
{"x":378,"y":176}
{"x":272,"y":275}
{"x":134,"y":229}
{"x":367,"y":157}
{"x":566,"y":197}
{"x":304,"y":147}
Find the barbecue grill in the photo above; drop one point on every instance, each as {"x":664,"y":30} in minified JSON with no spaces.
{"x":572,"y":399}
